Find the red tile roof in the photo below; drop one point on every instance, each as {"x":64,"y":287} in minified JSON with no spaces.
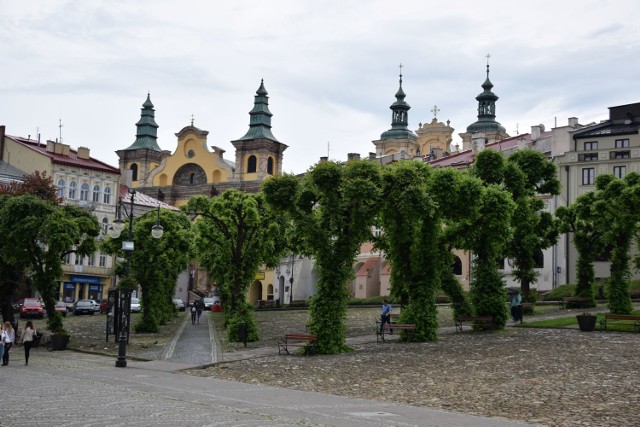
{"x":465,"y":158}
{"x":71,"y":160}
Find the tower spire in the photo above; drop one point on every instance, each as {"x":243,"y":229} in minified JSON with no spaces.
{"x":260,"y":117}
{"x":399,"y":116}
{"x":147,"y":128}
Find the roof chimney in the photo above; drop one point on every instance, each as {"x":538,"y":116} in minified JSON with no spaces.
{"x":372,"y":156}
{"x":324,"y":159}
{"x":535,"y":132}
{"x":478,"y":141}
{"x":351,"y":157}
{"x":83,"y":153}
{"x":573,"y":122}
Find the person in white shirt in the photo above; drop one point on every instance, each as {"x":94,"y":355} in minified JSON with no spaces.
{"x":26,"y":338}
{"x":10,"y":337}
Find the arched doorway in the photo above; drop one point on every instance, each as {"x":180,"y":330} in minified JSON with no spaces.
{"x":255,"y":292}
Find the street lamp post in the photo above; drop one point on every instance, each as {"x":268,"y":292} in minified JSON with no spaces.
{"x":125,"y":292}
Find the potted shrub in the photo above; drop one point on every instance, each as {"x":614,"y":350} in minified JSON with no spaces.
{"x":587,"y":321}
{"x":59,"y":340}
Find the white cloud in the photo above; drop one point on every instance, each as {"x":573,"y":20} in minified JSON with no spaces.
{"x":331,"y":68}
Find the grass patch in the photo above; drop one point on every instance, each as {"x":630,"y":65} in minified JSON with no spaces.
{"x":568,"y":321}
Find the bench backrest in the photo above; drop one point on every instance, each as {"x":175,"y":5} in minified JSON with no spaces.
{"x":475,"y":318}
{"x":621,"y":317}
{"x":400,"y":326}
{"x":302,"y":337}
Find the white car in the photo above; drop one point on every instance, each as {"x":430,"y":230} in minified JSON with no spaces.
{"x":209,"y":301}
{"x":135,"y":305}
{"x":179,"y":304}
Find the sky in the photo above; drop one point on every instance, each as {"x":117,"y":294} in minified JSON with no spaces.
{"x":330,"y":68}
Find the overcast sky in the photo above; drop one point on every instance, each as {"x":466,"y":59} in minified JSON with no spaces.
{"x":330,"y":67}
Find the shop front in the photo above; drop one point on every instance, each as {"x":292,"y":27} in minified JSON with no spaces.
{"x":82,"y":287}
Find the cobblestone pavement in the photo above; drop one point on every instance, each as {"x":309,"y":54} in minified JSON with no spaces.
{"x":79,"y":389}
{"x":556,"y":377}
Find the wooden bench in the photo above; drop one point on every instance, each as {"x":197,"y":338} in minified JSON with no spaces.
{"x":567,"y":302}
{"x":394,"y":317}
{"x":389,"y":328}
{"x":619,"y":319}
{"x":486,"y":322}
{"x":297,"y":340}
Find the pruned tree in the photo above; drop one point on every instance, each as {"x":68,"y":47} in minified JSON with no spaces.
{"x":235,"y":234}
{"x":332,"y":209}
{"x":617,"y":206}
{"x":39,"y":234}
{"x":580,"y":219}
{"x":155,"y":264}
{"x":411,"y":242}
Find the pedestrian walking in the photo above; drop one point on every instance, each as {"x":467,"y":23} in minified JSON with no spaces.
{"x":199,"y":308}
{"x":26,"y":338}
{"x":516,"y":300}
{"x":3,"y":334}
{"x":193,"y":310}
{"x":9,"y":339}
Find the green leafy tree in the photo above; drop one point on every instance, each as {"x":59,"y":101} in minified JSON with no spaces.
{"x":236,"y":233}
{"x":333,"y":208}
{"x":457,"y":195}
{"x":410,"y":241}
{"x":528,"y":174}
{"x":39,"y":234}
{"x":489,"y":237}
{"x":155,"y":264}
{"x":580,"y":219}
{"x":12,"y":276}
{"x":617,"y":203}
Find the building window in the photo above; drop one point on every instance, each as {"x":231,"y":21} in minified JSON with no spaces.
{"x":622,"y":143}
{"x":619,"y":171}
{"x":103,"y":260}
{"x":91,"y":259}
{"x":96,"y":193}
{"x":72,"y":190}
{"x":67,"y":259}
{"x":620,"y":154}
{"x":192,"y":178}
{"x":84,"y":191}
{"x":106,"y":197}
{"x":588,"y":157}
{"x":252,"y":164}
{"x":590,"y":146}
{"x":134,"y":172}
{"x":538,"y":259}
{"x":588,"y":176}
{"x":60,"y":190}
{"x":78,"y":259}
{"x":270,"y":166}
{"x":105,"y":226}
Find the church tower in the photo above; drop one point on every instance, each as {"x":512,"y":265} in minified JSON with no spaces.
{"x":486,"y":122}
{"x":144,"y":155}
{"x":258,"y":153}
{"x":434,"y":139}
{"x":399,"y":138}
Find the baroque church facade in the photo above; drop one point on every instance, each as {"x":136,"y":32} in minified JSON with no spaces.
{"x":194,"y":168}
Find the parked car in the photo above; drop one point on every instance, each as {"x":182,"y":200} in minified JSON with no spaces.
{"x":84,"y":306}
{"x":96,"y":305}
{"x":61,"y":308}
{"x":104,"y":306}
{"x":16,"y":305}
{"x":217,"y":306}
{"x":179,"y":304}
{"x":135,"y":305}
{"x":209,"y":301}
{"x":31,"y":307}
